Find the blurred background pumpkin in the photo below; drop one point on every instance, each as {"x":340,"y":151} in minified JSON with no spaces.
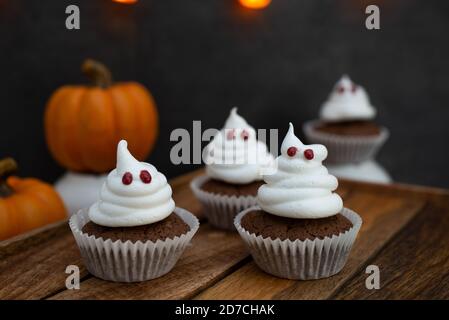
{"x":25,"y":204}
{"x":83,"y":124}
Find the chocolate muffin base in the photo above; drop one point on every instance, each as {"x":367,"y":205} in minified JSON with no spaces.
{"x":268,"y":225}
{"x":349,"y":128}
{"x":170,"y":227}
{"x":300,"y":260}
{"x":224,"y":188}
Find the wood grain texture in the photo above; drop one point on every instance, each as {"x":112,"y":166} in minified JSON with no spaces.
{"x":415,"y":265}
{"x":382,"y":218}
{"x":404,"y":232}
{"x":184,"y":198}
{"x":39,"y":270}
{"x":397,"y":189}
{"x":38,"y":234}
{"x":32,"y":265}
{"x":212,"y":256}
{"x":34,"y":237}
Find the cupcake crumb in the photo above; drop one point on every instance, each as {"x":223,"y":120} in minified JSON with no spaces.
{"x":170,"y":227}
{"x":270,"y":226}
{"x":223,"y":188}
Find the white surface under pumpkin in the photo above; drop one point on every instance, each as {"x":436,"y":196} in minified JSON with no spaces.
{"x":369,"y":171}
{"x":79,"y":190}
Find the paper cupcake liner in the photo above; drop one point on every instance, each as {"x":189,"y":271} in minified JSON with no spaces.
{"x":301,"y":260}
{"x":346,"y":149}
{"x":127,"y":261}
{"x":220,"y":210}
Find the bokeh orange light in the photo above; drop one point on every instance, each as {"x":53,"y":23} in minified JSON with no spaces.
{"x":255,"y":4}
{"x":126,"y":1}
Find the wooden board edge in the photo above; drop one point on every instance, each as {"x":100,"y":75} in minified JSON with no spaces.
{"x":33,"y":233}
{"x":398,"y":187}
{"x":185,"y":178}
{"x":420,"y":206}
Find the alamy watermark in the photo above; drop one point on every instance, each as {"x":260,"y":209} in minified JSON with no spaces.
{"x":72,"y":282}
{"x":373,"y":280}
{"x":73,"y":19}
{"x":372,"y":22}
{"x":229,"y":146}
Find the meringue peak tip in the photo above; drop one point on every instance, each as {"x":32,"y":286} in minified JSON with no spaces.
{"x":122,"y":144}
{"x":291,"y":135}
{"x":291,"y":131}
{"x":345,"y":80}
{"x":124,"y":157}
{"x":235,"y":120}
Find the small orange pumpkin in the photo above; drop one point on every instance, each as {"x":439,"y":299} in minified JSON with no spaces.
{"x":26,"y":204}
{"x":83,"y":124}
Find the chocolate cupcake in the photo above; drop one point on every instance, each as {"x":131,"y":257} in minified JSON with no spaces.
{"x":134,"y":232}
{"x":300,"y":229}
{"x":235,"y":162}
{"x":346,"y":125}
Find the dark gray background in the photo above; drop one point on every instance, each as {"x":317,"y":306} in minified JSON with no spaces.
{"x":201,"y":57}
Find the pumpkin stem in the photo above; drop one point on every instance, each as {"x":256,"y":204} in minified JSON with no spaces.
{"x":7,"y":167}
{"x":97,"y":72}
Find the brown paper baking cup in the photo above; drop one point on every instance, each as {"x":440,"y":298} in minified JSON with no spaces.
{"x":220,"y":210}
{"x":301,"y":260}
{"x":346,"y":149}
{"x":127,"y":261}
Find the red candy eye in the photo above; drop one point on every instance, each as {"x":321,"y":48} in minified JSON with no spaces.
{"x":308,"y":154}
{"x":292,"y":151}
{"x":145,"y":176}
{"x":340,"y":90}
{"x":354,"y":88}
{"x":244,"y":135}
{"x":127,"y":178}
{"x":230,"y":135}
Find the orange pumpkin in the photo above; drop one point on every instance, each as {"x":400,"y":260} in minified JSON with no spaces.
{"x":83,"y":124}
{"x":25,"y":204}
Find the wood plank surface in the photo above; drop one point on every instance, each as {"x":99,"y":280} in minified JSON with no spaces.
{"x":39,"y":270}
{"x":32,"y":266}
{"x":212,"y":255}
{"x":183,"y":195}
{"x":404,"y":232}
{"x":415,"y":265}
{"x":382,"y":218}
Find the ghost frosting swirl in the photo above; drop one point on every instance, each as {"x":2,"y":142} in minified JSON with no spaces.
{"x":235,"y":155}
{"x":347,"y":101}
{"x":302,"y":187}
{"x":134,"y":194}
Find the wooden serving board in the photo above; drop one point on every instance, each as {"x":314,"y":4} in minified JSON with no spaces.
{"x":404,"y":233}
